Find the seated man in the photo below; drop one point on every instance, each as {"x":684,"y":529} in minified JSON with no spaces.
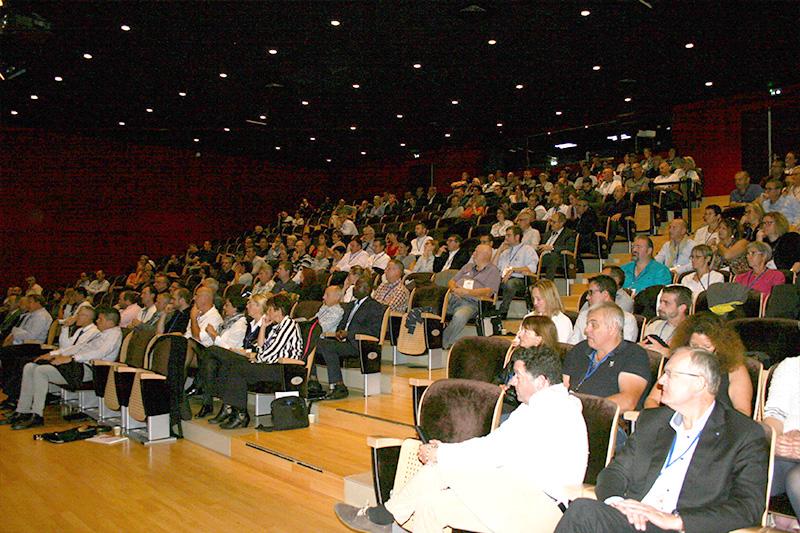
{"x":393,"y":292}
{"x":361,"y":316}
{"x":673,"y":308}
{"x":175,"y":318}
{"x":451,"y":255}
{"x":695,"y":465}
{"x":99,"y":284}
{"x":418,"y":242}
{"x":330,"y":312}
{"x":556,"y":240}
{"x":586,"y":224}
{"x":202,"y":315}
{"x":148,"y":307}
{"x":284,"y":281}
{"x":379,"y":258}
{"x":617,"y":207}
{"x":354,"y":256}
{"x":66,"y":367}
{"x":606,"y":365}
{"x":513,"y":479}
{"x":622,"y":299}
{"x":785,"y":204}
{"x":643,"y":271}
{"x":709,"y":234}
{"x":745,"y":192}
{"x":33,"y":326}
{"x":480,"y":279}
{"x":514,"y":262}
{"x":676,"y":253}
{"x":602,"y":289}
{"x":128,"y":308}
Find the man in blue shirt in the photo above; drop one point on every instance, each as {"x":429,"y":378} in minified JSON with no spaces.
{"x":644,"y":271}
{"x":745,"y":192}
{"x":786,"y":204}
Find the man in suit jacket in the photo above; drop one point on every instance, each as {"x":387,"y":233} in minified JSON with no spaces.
{"x":557,"y":239}
{"x":451,"y":255}
{"x":695,"y":466}
{"x":362,"y":316}
{"x":586,"y":224}
{"x":617,"y":208}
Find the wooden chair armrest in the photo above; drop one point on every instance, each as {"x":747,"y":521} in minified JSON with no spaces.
{"x":588,"y":491}
{"x":431,"y":315}
{"x":102,"y":362}
{"x":631,"y":416}
{"x":362,"y":337}
{"x":49,"y":346}
{"x":600,"y":234}
{"x":289,"y":361}
{"x":329,"y":335}
{"x":568,"y":252}
{"x":383,"y":442}
{"x":397,"y":314}
{"x":153,"y":376}
{"x":488,"y":299}
{"x":420,"y":382}
{"x":129,"y":369}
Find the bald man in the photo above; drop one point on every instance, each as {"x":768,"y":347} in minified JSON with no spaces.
{"x":676,"y":253}
{"x":479,"y":278}
{"x":202,"y":315}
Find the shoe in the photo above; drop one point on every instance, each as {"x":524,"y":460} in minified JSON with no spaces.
{"x":339,"y":392}
{"x":240,"y":419}
{"x":8,"y":405}
{"x":224,"y":413}
{"x":314,"y":386}
{"x":33,"y":422}
{"x":14,"y":417}
{"x":193,"y":391}
{"x":357,"y":519}
{"x":204,"y":411}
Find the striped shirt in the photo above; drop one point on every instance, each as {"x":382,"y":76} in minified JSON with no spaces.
{"x":283,"y":341}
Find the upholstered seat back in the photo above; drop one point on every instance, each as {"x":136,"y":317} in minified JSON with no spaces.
{"x":601,"y":417}
{"x":454,"y":410}
{"x":137,"y":347}
{"x":478,"y":358}
{"x":777,"y":337}
{"x":306,"y":309}
{"x":429,"y":296}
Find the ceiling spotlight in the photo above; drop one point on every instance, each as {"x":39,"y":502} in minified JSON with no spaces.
{"x":87,"y":55}
{"x":586,"y":127}
{"x":558,"y":113}
{"x":125,"y":27}
{"x":335,"y":23}
{"x":149,"y":109}
{"x":403,"y":145}
{"x":196,"y":140}
{"x":223,"y":75}
{"x":352,"y":128}
{"x":549,"y":132}
{"x":181,"y":93}
{"x":262,"y":117}
{"x":499,"y":124}
{"x":447,"y":135}
{"x":272,"y":51}
{"x":34,"y":97}
{"x":363,"y":153}
{"x":596,"y":67}
{"x":304,"y":102}
{"x":417,"y":65}
{"x":399,"y":115}
{"x":519,"y":86}
{"x":585,"y":13}
{"x":312,"y":138}
{"x":328,"y":160}
{"x":58,"y":78}
{"x":226,"y":129}
{"x":454,"y":102}
{"x":689,"y":45}
{"x":709,"y":83}
{"x":356,"y":86}
{"x":628,"y":99}
{"x":121,"y":123}
{"x":277,"y":147}
{"x":492,"y":42}
{"x":14,"y":112}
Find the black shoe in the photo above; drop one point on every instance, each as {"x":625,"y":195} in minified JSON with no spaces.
{"x":14,"y":417}
{"x":224,"y":413}
{"x":339,"y":392}
{"x":240,"y":419}
{"x":314,"y":387}
{"x":205,"y":411}
{"x":193,"y":391}
{"x":8,"y":405}
{"x":32,"y":422}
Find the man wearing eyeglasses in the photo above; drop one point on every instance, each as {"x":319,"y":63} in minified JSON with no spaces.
{"x":695,"y":465}
{"x":785,"y":204}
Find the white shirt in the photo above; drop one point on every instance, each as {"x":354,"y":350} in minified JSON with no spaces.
{"x":147,"y":313}
{"x":104,"y":346}
{"x":232,"y":337}
{"x":630,"y":330}
{"x":263,"y":288}
{"x":531,"y":237}
{"x":563,"y":325}
{"x":660,"y":328}
{"x":349,"y":260}
{"x":418,"y":245}
{"x":80,"y":335}
{"x":543,"y":443}
{"x":563,"y":209}
{"x":450,"y":256}
{"x":499,"y":228}
{"x":380,"y":260}
{"x":677,"y":258}
{"x":34,"y":327}
{"x":348,"y":228}
{"x":520,"y":255}
{"x":783,"y":400}
{"x":705,"y":236}
{"x":97,"y":286}
{"x":698,"y":286}
{"x":212,"y":317}
{"x":127,"y":315}
{"x":608,"y":187}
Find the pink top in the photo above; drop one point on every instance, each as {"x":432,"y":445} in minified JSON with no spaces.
{"x":763,"y":282}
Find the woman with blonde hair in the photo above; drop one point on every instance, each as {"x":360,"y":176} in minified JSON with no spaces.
{"x":751,"y":220}
{"x":712,"y":333}
{"x":547,"y":302}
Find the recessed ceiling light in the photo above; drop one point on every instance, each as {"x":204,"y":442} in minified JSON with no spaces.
{"x":403,"y":145}
{"x":709,"y":83}
{"x":312,"y":138}
{"x":121,"y":123}
{"x":304,"y":102}
{"x":226,"y":129}
{"x":181,"y":93}
{"x":363,"y":153}
{"x":586,"y":127}
{"x":149,"y":109}
{"x":689,"y":45}
{"x":335,"y":23}
{"x":328,"y":160}
{"x":519,"y":86}
{"x":196,"y":140}
{"x":223,"y":75}
{"x":417,"y":65}
{"x":447,"y":135}
{"x":596,"y":67}
{"x":628,"y":99}
{"x":549,"y":132}
{"x":87,"y":55}
{"x":454,"y":102}
{"x":125,"y":27}
{"x":262,"y":117}
{"x":585,"y":13}
{"x":272,"y":51}
{"x":559,"y":113}
{"x":13,"y":112}
{"x":399,"y":115}
{"x":352,"y":128}
{"x":58,"y":78}
{"x":277,"y":147}
{"x":492,"y":42}
{"x":34,"y":97}
{"x":356,"y":86}
{"x":499,"y":124}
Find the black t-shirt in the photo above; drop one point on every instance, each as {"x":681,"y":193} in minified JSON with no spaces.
{"x":604,"y":381}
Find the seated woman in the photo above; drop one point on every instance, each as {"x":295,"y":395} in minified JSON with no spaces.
{"x":782,"y":414}
{"x":264,"y":282}
{"x":425,"y":261}
{"x":785,"y":244}
{"x":337,"y":243}
{"x":731,"y":250}
{"x":759,"y":277}
{"x":710,"y":332}
{"x":283,"y":342}
{"x":475,"y":208}
{"x":535,"y":331}
{"x":699,"y":280}
{"x":751,"y":221}
{"x":547,"y":302}
{"x":310,"y":288}
{"x":499,"y":228}
{"x":216,"y":356}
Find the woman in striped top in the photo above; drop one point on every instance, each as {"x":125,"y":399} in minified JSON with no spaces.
{"x":282,"y":342}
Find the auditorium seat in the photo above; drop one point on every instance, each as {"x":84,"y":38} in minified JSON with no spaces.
{"x":778,"y":338}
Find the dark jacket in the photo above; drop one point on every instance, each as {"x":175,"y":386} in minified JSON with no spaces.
{"x":367,"y":320}
{"x":459,"y":260}
{"x":565,"y":241}
{"x":726,"y":481}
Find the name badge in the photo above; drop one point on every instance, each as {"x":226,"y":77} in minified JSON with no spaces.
{"x":469,"y":284}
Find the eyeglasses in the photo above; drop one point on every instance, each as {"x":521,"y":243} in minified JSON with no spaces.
{"x":669,"y":373}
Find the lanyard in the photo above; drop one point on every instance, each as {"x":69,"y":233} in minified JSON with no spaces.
{"x":661,"y":333}
{"x":754,"y":281}
{"x":510,"y":259}
{"x":669,"y":462}
{"x":593,"y":367}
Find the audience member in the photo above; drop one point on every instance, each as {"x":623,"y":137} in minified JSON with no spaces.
{"x":731,"y":248}
{"x":499,"y":228}
{"x":745,"y":192}
{"x":380,"y":258}
{"x":99,"y":284}
{"x":310,"y":288}
{"x":175,"y":319}
{"x":33,"y":325}
{"x":264,"y":282}
{"x":451,"y":255}
{"x":202,"y":314}
{"x":33,"y":287}
{"x":425,"y":261}
{"x":643,"y":271}
{"x":702,"y":277}
{"x":602,"y":289}
{"x":674,"y":305}
{"x":759,"y":277}
{"x":285,"y":283}
{"x":547,"y":302}
{"x":785,"y":244}
{"x":712,"y":216}
{"x":622,"y":298}
{"x":675,"y":254}
{"x":128,"y":308}
{"x":393,"y":293}
{"x":530,"y":235}
{"x":785,"y":204}
{"x":556,"y":240}
{"x":617,"y":208}
{"x":418,"y":243}
{"x":515,"y":261}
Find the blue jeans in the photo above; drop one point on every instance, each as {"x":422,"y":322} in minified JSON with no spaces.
{"x":462,"y":310}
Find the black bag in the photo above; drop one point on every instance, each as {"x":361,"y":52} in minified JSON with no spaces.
{"x":71,"y":435}
{"x":289,"y":412}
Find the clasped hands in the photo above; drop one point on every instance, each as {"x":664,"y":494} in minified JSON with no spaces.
{"x":427,"y":453}
{"x":639,"y":514}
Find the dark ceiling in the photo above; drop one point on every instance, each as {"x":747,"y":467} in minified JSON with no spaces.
{"x":547,"y":47}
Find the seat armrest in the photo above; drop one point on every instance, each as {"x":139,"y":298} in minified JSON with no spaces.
{"x":102,"y":362}
{"x":631,"y":416}
{"x":420,"y":382}
{"x":289,"y":361}
{"x":383,"y":442}
{"x":49,"y":346}
{"x":588,"y":491}
{"x":362,"y":337}
{"x":328,"y":335}
{"x":129,"y":369}
{"x":153,"y":376}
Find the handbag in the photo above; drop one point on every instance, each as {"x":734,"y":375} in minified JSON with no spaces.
{"x":289,"y":412}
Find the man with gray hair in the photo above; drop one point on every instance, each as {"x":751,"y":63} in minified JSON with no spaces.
{"x":606,"y":365}
{"x":202,"y":315}
{"x":694,"y":465}
{"x":676,"y":253}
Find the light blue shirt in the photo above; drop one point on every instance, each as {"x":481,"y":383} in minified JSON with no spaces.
{"x":787,"y":205}
{"x":677,"y":257}
{"x":654,"y":273}
{"x":34,"y":327}
{"x":519,"y":255}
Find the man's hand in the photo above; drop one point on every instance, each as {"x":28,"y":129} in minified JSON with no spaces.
{"x":616,"y":217}
{"x":788,"y":445}
{"x":212,"y":331}
{"x":341,"y":335}
{"x":71,"y":320}
{"x":650,"y":344}
{"x":194,"y":313}
{"x":45,"y":357}
{"x":639,"y":514}
{"x":545,"y":248}
{"x":427,"y":452}
{"x":135,"y":322}
{"x":60,"y":360}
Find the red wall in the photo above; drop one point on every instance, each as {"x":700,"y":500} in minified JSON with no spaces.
{"x":70,"y":203}
{"x":711,"y":132}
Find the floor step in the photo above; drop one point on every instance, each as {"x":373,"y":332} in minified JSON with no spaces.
{"x":359,"y":490}
{"x":388,"y":416}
